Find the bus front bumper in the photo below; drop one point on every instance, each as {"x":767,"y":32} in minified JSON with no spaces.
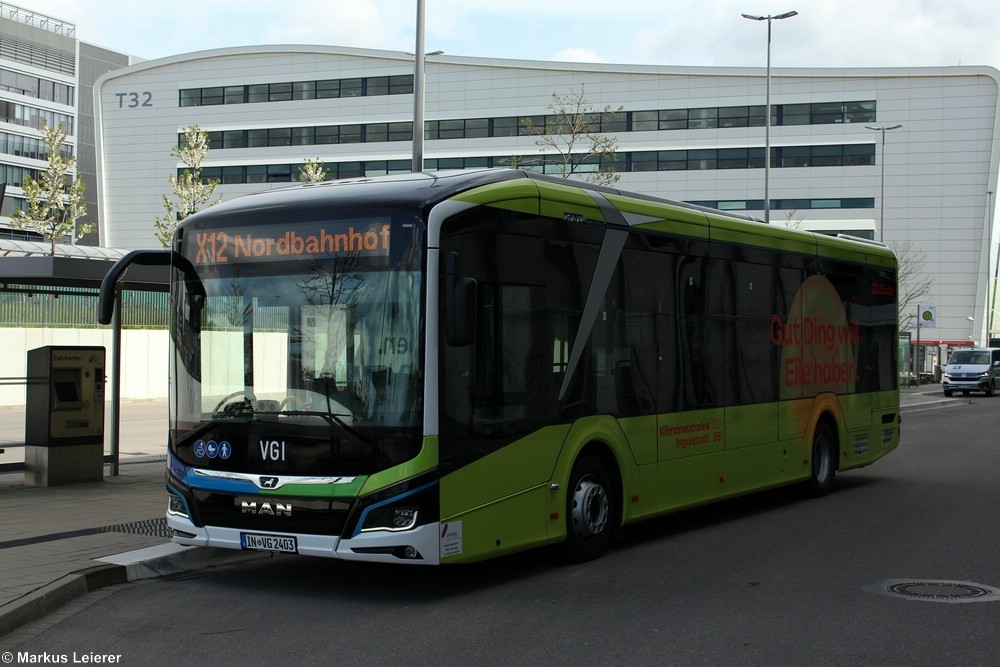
{"x":419,"y":546}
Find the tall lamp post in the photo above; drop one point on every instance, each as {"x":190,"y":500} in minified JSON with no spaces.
{"x":418,"y":93}
{"x":767,"y":109}
{"x":881,"y":201}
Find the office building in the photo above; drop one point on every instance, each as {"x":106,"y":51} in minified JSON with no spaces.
{"x":46,"y":78}
{"x":695,"y":134}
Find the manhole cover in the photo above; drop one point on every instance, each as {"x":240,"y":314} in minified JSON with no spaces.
{"x":936,"y":590}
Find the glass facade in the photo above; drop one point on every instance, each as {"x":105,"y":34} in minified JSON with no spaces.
{"x":509,"y":126}
{"x":694,"y":160}
{"x":296,"y":90}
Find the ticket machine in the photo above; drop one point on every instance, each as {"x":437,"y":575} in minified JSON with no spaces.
{"x":64,"y":415}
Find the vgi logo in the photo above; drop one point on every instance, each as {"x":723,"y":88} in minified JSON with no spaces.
{"x":273,"y":450}
{"x":265,"y":508}
{"x":268,"y":482}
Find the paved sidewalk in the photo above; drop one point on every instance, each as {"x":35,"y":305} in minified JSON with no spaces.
{"x":57,"y":543}
{"x":49,"y":532}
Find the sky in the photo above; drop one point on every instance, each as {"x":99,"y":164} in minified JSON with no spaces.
{"x":826,"y":33}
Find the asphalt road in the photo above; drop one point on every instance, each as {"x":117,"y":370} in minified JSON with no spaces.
{"x":773,"y":579}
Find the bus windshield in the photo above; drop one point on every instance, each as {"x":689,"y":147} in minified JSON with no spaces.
{"x":271,"y":324}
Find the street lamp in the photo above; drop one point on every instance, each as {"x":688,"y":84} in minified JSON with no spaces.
{"x":881,"y":202}
{"x":418,"y":93}
{"x":767,"y":109}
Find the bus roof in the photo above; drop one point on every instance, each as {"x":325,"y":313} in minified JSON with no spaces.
{"x":410,"y":189}
{"x":424,"y":190}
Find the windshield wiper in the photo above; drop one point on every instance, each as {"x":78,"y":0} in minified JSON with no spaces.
{"x":331,"y":418}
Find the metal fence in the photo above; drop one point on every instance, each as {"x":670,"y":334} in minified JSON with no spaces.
{"x":25,"y":306}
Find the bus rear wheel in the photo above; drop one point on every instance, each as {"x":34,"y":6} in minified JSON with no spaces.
{"x":591,"y":509}
{"x":824,"y":453}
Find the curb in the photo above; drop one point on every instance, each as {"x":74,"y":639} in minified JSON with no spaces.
{"x":43,"y":601}
{"x":149,"y":563}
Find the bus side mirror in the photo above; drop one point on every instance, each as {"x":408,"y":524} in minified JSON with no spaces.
{"x":459,"y":303}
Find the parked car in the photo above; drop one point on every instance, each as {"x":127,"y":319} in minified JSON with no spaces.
{"x":976,"y":369}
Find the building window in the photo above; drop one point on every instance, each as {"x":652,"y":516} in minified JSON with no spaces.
{"x":279,"y":92}
{"x":350,"y":134}
{"x":292,"y":90}
{"x":304,"y":90}
{"x":303,"y":136}
{"x":378,"y":85}
{"x":702,"y":159}
{"x":788,"y":204}
{"x":672,"y":119}
{"x":258,"y":93}
{"x":645,"y":161}
{"x":733,"y":158}
{"x":190,"y":97}
{"x":648,"y":121}
{"x":400,"y":131}
{"x":327,"y":89}
{"x":235,"y":94}
{"x":327,"y":134}
{"x":352,"y":88}
{"x":859,"y":154}
{"x":279,"y":173}
{"x":734,"y":117}
{"x":256,"y":138}
{"x":639,"y":161}
{"x":505,"y":127}
{"x":401,"y":84}
{"x":212,"y":96}
{"x":703,"y":118}
{"x":279,"y":137}
{"x":232,"y":139}
{"x":32,"y":86}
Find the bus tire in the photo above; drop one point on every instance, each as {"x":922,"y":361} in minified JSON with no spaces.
{"x":591,"y":509}
{"x":824,"y":454}
{"x":947,"y":392}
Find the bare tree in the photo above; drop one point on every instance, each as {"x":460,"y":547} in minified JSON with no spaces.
{"x":793,"y":220}
{"x":573,"y":134}
{"x":913,"y":284}
{"x":55,"y":199}
{"x":192,"y":192}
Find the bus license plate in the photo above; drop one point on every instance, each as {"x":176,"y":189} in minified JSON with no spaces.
{"x":277,"y":543}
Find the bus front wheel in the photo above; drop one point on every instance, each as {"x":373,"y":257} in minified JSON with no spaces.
{"x":591,"y":509}
{"x":824,"y":453}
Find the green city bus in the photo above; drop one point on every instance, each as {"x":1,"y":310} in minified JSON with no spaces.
{"x":443,"y":368}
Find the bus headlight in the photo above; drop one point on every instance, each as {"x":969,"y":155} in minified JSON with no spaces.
{"x":397,"y":508}
{"x":176,"y":505}
{"x":391,"y":519}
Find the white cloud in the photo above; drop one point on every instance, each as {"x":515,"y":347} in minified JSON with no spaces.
{"x":848,"y":33}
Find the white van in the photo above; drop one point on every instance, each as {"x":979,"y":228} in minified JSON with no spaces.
{"x":976,"y":369}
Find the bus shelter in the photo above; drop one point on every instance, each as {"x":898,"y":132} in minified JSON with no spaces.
{"x":30,"y":268}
